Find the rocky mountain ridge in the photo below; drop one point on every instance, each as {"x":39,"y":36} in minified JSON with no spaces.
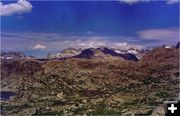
{"x":101,"y":52}
{"x":66,"y":53}
{"x":14,"y":56}
{"x":105,"y":53}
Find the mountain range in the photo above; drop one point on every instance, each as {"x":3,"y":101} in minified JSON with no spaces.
{"x":101,"y":52}
{"x":88,"y":53}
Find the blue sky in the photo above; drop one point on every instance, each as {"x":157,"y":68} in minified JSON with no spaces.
{"x":41,"y":27}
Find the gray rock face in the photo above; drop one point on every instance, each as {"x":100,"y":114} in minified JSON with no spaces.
{"x":66,"y":53}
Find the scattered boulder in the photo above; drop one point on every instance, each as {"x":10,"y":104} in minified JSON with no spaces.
{"x":60,"y":95}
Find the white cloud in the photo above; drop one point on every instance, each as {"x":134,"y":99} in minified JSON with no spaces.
{"x":95,"y":43}
{"x":39,"y":46}
{"x":159,"y":34}
{"x":130,"y":2}
{"x":66,"y":42}
{"x":125,"y":46}
{"x":172,"y":2}
{"x":89,"y":43}
{"x":56,"y":42}
{"x":89,"y":32}
{"x":20,"y":17}
{"x":22,"y":6}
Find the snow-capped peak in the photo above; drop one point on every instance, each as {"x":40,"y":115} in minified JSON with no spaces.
{"x":119,"y":51}
{"x":132,"y":51}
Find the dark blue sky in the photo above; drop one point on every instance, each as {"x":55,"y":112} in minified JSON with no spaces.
{"x":109,"y":18}
{"x":91,"y":19}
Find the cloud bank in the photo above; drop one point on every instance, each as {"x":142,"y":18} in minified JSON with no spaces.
{"x":137,"y":1}
{"x":95,"y":43}
{"x":159,"y":34}
{"x":172,"y":2}
{"x":22,"y":6}
{"x":44,"y":43}
{"x":58,"y":42}
{"x":132,"y":1}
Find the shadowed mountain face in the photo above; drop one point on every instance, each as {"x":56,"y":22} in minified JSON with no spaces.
{"x":87,"y":53}
{"x":178,"y":45}
{"x":102,"y":52}
{"x":86,"y":84}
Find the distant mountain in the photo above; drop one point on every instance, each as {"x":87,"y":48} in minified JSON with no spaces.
{"x":105,"y":52}
{"x":66,"y":53}
{"x":12,"y":55}
{"x":15,"y":56}
{"x":101,"y":52}
{"x":136,"y":52}
{"x":87,"y":53}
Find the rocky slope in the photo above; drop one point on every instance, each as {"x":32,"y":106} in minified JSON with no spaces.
{"x":92,"y":86}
